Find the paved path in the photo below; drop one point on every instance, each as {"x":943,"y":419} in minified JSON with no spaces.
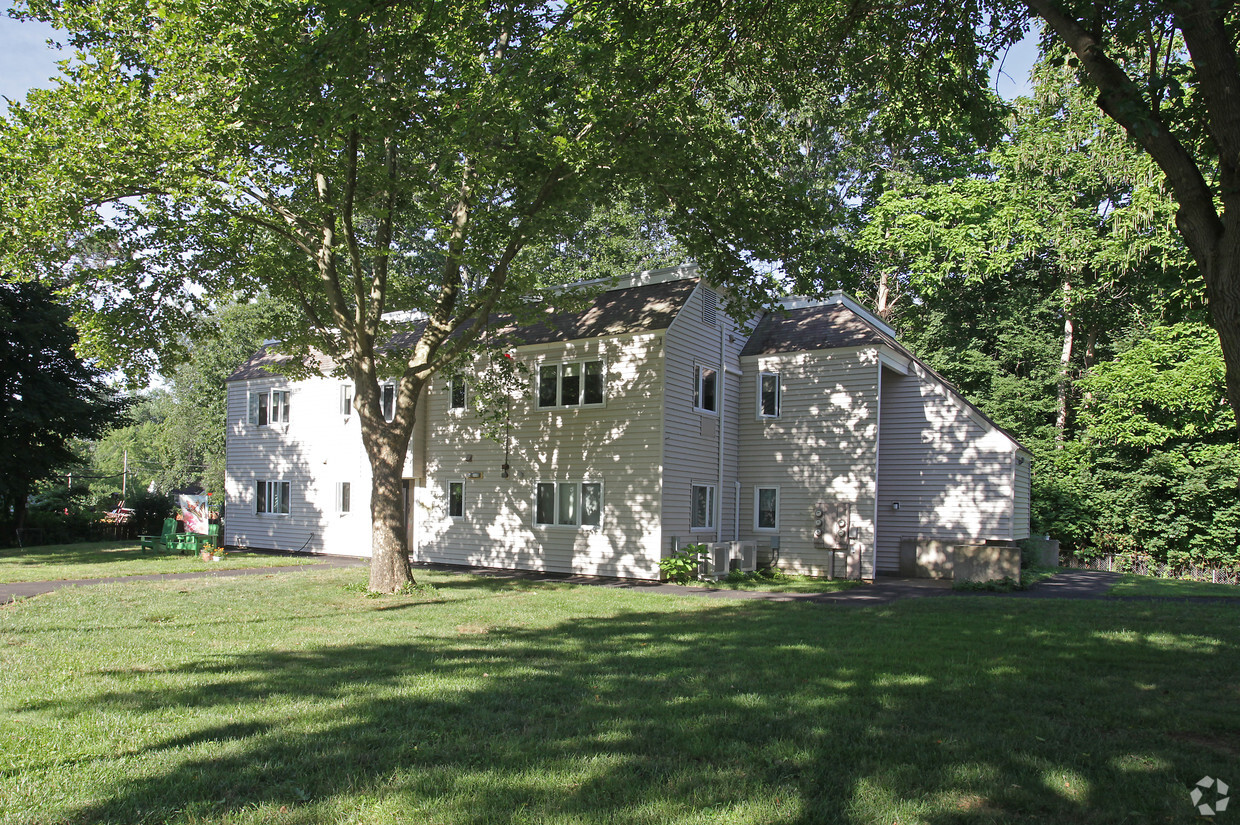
{"x":1067,"y":584}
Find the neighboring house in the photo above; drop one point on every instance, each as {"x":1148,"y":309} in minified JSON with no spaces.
{"x":652,"y":420}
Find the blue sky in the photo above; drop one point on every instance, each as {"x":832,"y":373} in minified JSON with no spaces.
{"x":26,"y":61}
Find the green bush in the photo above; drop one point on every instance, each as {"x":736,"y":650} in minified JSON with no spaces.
{"x":149,"y":511}
{"x":682,"y":565}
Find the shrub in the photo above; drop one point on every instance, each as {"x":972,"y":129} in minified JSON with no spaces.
{"x":682,"y":565}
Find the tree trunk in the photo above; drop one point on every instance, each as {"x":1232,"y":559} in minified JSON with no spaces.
{"x":386,"y":444}
{"x":1223,"y":291}
{"x":389,"y":561}
{"x":1065,"y":364}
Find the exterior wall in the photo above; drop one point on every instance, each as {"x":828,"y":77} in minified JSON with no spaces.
{"x":822,"y":447}
{"x":615,"y":444}
{"x":690,"y":441}
{"x":1023,"y":491}
{"x":950,"y":471}
{"x":315,"y":450}
{"x":318,"y":449}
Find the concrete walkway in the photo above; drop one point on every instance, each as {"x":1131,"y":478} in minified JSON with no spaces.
{"x":1067,"y":584}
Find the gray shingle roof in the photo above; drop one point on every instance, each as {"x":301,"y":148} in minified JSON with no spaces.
{"x":616,"y":312}
{"x":829,"y":326}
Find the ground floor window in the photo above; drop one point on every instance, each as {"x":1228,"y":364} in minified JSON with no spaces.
{"x":569,"y":503}
{"x":702,"y":503}
{"x":766,"y":508}
{"x":344,"y":495}
{"x":272,"y":497}
{"x":456,"y":499}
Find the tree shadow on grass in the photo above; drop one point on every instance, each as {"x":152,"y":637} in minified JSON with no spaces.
{"x":984,"y":711}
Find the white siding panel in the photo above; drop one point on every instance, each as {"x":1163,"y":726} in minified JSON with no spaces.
{"x":317,"y":449}
{"x":822,"y":447}
{"x":616,"y":444}
{"x":950,"y":471}
{"x":691,"y":452}
{"x":1023,"y":495}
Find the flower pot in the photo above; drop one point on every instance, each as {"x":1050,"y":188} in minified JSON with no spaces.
{"x":206,"y":555}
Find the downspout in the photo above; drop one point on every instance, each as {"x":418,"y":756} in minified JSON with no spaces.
{"x":878,"y":436}
{"x":736,"y":512}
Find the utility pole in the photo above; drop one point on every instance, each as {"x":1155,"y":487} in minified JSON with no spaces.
{"x":125,"y":474}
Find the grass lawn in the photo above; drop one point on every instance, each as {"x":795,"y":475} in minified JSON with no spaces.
{"x":1134,"y":585}
{"x":104,"y":559}
{"x":297,"y":699}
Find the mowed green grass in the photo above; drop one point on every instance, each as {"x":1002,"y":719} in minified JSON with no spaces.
{"x":1134,"y":585}
{"x":288,"y":698}
{"x":105,"y":559}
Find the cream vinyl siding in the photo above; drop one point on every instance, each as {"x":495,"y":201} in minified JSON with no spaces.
{"x":822,"y":447}
{"x":691,"y":438}
{"x":951,"y":471}
{"x":1022,"y":495}
{"x":615,"y":444}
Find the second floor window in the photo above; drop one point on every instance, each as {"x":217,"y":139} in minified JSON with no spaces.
{"x":456,"y":394}
{"x":705,"y":388}
{"x":346,"y":400}
{"x":768,"y":395}
{"x":571,"y":384}
{"x":268,"y":407}
{"x":388,"y":401}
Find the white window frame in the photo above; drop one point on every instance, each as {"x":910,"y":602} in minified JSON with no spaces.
{"x":762,"y":413}
{"x":344,"y":497}
{"x":263,"y":500}
{"x":579,"y":500}
{"x":453,"y":385}
{"x":346,"y":400}
{"x":711,"y":505}
{"x":699,"y":388}
{"x":275,"y":402}
{"x":387,"y":390}
{"x":461,"y":515}
{"x":757,"y":498}
{"x":581,"y":364}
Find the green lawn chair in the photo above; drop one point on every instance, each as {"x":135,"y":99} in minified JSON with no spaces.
{"x":163,"y":543}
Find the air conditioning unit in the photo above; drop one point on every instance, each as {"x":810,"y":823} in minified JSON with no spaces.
{"x":744,"y":554}
{"x":720,"y":555}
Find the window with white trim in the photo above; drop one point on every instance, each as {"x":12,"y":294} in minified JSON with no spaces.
{"x":570,"y":384}
{"x":344,"y":496}
{"x":766,"y":508}
{"x":569,"y":503}
{"x":456,"y":393}
{"x":271,"y":497}
{"x":346,"y":400}
{"x":705,"y":388}
{"x":268,"y":407}
{"x":702,"y":507}
{"x":456,"y":499}
{"x":768,"y":395}
{"x":388,"y":401}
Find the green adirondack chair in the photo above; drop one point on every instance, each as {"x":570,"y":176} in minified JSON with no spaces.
{"x":163,"y":543}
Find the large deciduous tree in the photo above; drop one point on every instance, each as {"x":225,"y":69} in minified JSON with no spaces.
{"x":1168,"y":73}
{"x":354,"y":157}
{"x":48,"y":395}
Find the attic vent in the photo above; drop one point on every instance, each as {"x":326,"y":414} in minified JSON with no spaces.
{"x":710,"y":307}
